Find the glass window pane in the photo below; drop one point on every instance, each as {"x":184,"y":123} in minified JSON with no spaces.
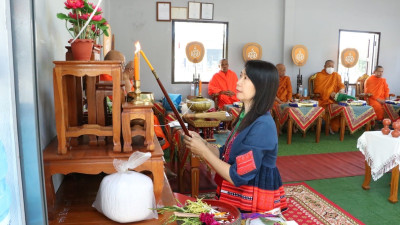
{"x":212,"y":35}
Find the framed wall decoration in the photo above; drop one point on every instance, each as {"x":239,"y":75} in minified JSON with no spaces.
{"x":163,"y":11}
{"x":207,"y":11}
{"x":194,"y":9}
{"x":179,"y":13}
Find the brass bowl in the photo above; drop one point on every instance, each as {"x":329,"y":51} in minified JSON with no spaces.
{"x":199,"y":104}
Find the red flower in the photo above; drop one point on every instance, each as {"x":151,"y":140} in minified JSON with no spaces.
{"x":94,"y":6}
{"x":84,"y":16}
{"x":97,"y":18}
{"x":72,"y":15}
{"x":74,"y":4}
{"x":208,"y":219}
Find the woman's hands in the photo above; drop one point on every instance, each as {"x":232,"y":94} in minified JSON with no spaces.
{"x":196,"y":144}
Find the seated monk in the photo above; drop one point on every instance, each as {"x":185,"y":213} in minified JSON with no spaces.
{"x":377,"y":86}
{"x":327,"y":83}
{"x":223,"y":85}
{"x":127,"y":77}
{"x":284,"y":94}
{"x":127,"y":74}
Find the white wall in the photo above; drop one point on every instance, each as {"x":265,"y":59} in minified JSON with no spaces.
{"x":131,"y":20}
{"x":276,"y":25}
{"x":316,"y":25}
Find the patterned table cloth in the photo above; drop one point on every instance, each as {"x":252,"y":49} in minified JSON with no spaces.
{"x":281,"y":113}
{"x":304,"y":117}
{"x":392,"y":111}
{"x":382,"y":152}
{"x":355,"y":116}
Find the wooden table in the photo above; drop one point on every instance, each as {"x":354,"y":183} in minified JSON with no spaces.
{"x":94,"y":160}
{"x":91,"y":69}
{"x":305,"y":120}
{"x":382,"y":154}
{"x":354,"y":116}
{"x":143,"y":112}
{"x":302,"y":117}
{"x":73,"y":208}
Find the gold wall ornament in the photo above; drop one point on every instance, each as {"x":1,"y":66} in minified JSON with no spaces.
{"x":299,"y":55}
{"x":195,"y":51}
{"x":252,"y":51}
{"x":349,"y":57}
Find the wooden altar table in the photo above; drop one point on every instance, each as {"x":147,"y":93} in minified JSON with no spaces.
{"x":62,"y":107}
{"x":77,"y":208}
{"x":94,"y":160}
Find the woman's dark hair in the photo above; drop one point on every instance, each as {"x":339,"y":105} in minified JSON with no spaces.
{"x":265,"y":79}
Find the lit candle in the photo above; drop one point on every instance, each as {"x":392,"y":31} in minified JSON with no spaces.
{"x":148,"y":62}
{"x":136,"y":61}
{"x":200,"y":87}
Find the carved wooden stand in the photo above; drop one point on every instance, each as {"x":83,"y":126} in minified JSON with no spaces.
{"x":65,"y":129}
{"x":144,"y":112}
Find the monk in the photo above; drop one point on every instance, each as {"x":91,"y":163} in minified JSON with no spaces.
{"x":223,"y":85}
{"x":284,"y":94}
{"x":127,"y":77}
{"x":377,"y":86}
{"x":127,"y":74}
{"x":327,"y":84}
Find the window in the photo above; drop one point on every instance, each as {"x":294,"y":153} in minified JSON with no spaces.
{"x":367,"y":45}
{"x":213,"y":35}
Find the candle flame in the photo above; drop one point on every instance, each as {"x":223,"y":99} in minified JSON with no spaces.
{"x":137,"y":46}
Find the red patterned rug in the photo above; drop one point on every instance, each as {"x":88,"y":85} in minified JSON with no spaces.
{"x":307,"y":206}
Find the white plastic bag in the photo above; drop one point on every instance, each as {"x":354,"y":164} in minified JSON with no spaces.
{"x":127,"y":196}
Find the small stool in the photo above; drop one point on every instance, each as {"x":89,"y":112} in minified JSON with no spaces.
{"x":144,"y":112}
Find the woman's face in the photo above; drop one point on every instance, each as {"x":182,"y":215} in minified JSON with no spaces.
{"x":245,"y":88}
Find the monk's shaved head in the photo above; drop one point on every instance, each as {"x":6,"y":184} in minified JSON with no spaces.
{"x":378,"y":71}
{"x":224,"y":65}
{"x":281,"y":69}
{"x":115,"y":55}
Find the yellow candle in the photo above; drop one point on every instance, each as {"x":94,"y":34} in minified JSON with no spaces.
{"x":199,"y":87}
{"x":136,"y":66}
{"x":148,"y":62}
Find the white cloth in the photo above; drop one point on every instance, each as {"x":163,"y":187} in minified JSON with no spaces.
{"x":382,"y":152}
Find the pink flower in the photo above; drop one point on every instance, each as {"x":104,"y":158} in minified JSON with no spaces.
{"x":208,"y":219}
{"x":84,"y":16}
{"x":94,"y":6}
{"x":72,"y":15}
{"x":97,"y":18}
{"x":74,"y":4}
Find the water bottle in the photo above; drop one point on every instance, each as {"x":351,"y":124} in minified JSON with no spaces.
{"x":4,"y":191}
{"x":305,"y":92}
{"x":300,"y":90}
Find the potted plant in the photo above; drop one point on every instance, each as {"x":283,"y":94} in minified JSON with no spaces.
{"x":75,"y":21}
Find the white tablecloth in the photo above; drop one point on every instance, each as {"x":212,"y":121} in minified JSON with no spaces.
{"x":382,"y":152}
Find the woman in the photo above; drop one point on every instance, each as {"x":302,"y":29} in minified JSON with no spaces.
{"x":247,"y":176}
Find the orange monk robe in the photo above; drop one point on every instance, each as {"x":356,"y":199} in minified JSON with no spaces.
{"x":159,"y":132}
{"x":379,"y":90}
{"x":285,"y":89}
{"x":223,"y":82}
{"x":324,"y":85}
